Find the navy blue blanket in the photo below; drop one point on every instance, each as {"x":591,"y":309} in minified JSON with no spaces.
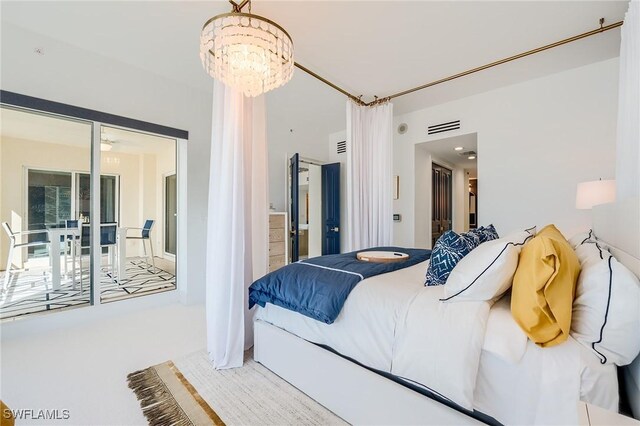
{"x":318,"y":287}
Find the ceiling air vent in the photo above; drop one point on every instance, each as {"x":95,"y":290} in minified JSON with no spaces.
{"x":342,"y":147}
{"x":443,"y":127}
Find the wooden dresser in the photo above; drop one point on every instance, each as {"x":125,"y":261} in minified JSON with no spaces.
{"x":278,"y":241}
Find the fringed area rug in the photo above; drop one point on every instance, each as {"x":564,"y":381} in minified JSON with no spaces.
{"x":190,"y":391}
{"x":167,"y":398}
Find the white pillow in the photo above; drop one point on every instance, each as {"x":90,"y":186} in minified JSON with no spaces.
{"x":487,"y":272}
{"x":581,"y":238}
{"x":503,"y":336}
{"x":606,"y":310}
{"x":590,"y":252}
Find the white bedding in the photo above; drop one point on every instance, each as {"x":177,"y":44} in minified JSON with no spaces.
{"x":391,"y":322}
{"x":521,"y":383}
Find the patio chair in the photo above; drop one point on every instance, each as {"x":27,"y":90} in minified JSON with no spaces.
{"x":14,"y":244}
{"x":70,"y":247}
{"x":108,"y":233}
{"x":145,"y":235}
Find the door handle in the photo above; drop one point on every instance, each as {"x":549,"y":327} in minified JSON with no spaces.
{"x":334,"y":229}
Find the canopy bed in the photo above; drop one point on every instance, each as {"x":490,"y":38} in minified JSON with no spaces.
{"x":399,"y":353}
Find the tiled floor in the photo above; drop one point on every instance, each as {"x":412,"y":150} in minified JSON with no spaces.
{"x":30,"y":291}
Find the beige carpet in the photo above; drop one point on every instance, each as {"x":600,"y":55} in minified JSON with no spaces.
{"x":193,"y":392}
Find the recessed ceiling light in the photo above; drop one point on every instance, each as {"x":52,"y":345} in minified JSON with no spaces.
{"x":458,"y":148}
{"x":472,"y":157}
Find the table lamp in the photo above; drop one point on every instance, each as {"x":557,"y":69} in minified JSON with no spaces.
{"x":595,"y":192}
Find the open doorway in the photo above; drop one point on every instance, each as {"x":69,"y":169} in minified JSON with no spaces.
{"x":441,"y":201}
{"x":314,"y":208}
{"x":473,"y":199}
{"x":446,"y":195}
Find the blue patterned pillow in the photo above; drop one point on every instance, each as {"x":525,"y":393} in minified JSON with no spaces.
{"x":447,"y":252}
{"x":485,"y":234}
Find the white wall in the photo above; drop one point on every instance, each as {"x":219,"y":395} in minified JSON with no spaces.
{"x":536,"y":141}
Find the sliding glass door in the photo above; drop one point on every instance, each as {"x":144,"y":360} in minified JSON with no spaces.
{"x":53,"y":197}
{"x":48,"y":204}
{"x":108,"y":197}
{"x":88,"y":212}
{"x":41,"y":265}
{"x":138,"y":191}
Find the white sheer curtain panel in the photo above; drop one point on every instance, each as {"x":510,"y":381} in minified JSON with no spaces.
{"x":628,"y":143}
{"x":369,"y":175}
{"x":237,"y":222}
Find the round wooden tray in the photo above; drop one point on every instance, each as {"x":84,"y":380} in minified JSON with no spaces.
{"x":382,"y":256}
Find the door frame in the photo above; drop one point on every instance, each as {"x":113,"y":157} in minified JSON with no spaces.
{"x":186,"y":293}
{"x":166,"y":254}
{"x":438,"y":163}
{"x":287,"y":192}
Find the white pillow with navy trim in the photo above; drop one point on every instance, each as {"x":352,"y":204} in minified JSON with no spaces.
{"x":590,"y":252}
{"x":487,"y":272}
{"x":581,"y":238}
{"x":606,"y":309}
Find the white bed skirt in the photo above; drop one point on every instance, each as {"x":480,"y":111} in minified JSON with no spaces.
{"x":354,"y":393}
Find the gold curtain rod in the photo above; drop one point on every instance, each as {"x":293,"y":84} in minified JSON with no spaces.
{"x":330,"y":84}
{"x":469,"y":71}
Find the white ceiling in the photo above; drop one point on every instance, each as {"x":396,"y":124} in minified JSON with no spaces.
{"x":44,"y":128}
{"x":369,"y":48}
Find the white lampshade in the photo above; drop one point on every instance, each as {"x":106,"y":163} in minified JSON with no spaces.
{"x":595,"y":192}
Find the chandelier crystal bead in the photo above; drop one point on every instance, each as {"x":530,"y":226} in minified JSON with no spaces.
{"x":247,"y":52}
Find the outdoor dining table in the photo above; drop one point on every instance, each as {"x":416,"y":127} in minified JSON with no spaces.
{"x":55,"y":235}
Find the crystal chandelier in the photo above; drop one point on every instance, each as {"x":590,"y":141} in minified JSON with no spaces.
{"x":247,"y":52}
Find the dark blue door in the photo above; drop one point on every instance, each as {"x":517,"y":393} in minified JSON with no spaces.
{"x":294,"y":166}
{"x":331,"y":208}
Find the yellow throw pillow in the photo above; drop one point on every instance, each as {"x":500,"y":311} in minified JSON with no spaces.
{"x":544,"y":287}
